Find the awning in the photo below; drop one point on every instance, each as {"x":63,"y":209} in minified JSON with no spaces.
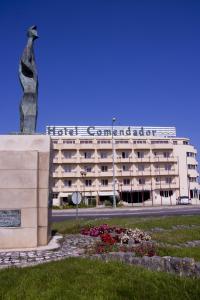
{"x":109,"y":193}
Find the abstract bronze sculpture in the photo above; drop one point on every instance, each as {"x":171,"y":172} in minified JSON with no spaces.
{"x":29,"y":81}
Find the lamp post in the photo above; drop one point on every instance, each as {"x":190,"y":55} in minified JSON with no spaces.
{"x":83,"y":174}
{"x":113,"y":164}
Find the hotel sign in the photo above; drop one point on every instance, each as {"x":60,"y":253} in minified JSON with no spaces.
{"x":102,"y":131}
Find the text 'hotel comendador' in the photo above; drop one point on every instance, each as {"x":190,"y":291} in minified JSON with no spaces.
{"x":152,"y":166}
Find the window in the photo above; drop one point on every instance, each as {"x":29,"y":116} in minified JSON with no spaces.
{"x":88,"y":182}
{"x":55,"y":169}
{"x":55,"y":195}
{"x":87,"y":155}
{"x":55,"y":155}
{"x":166,"y":193}
{"x":166,"y":154}
{"x":67,"y":154}
{"x":185,"y":143}
{"x":126,"y":181}
{"x":190,"y":154}
{"x":139,"y":142}
{"x":157,"y":179}
{"x":168,"y":167}
{"x":103,"y":142}
{"x":85,"y":142}
{"x":140,"y":154}
{"x":140,"y":167}
{"x":192,"y":179}
{"x":68,"y":142}
{"x":67,"y":183}
{"x":168,"y":180}
{"x":104,"y":168}
{"x":125,"y":168}
{"x":193,"y":194}
{"x":55,"y":142}
{"x":104,"y":154}
{"x":159,"y":142}
{"x":125,"y":154}
{"x":87,"y":168}
{"x":175,"y":142}
{"x":121,"y":142}
{"x":67,"y":168}
{"x":192,"y":167}
{"x":141,"y":180}
{"x":104,"y":182}
{"x":55,"y":183}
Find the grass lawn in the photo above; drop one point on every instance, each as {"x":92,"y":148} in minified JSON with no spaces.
{"x":81,"y":279}
{"x":177,"y":236}
{"x":70,"y":226}
{"x":193,"y":252}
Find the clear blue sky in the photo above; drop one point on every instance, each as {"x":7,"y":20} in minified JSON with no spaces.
{"x":136,"y":60}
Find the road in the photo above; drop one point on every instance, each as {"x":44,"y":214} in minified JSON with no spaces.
{"x":93,"y":213}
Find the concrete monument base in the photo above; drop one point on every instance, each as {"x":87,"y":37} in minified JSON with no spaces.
{"x":24,"y":191}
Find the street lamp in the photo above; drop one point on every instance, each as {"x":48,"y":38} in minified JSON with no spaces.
{"x":113,"y":164}
{"x":83,"y":174}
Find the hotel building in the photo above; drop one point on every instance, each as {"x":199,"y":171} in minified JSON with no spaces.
{"x":152,"y":166}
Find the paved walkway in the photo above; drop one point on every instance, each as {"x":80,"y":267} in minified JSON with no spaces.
{"x":71,"y":246}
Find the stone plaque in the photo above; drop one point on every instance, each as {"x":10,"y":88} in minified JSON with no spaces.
{"x":10,"y":218}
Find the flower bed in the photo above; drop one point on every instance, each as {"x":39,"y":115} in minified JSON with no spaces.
{"x":115,"y":239}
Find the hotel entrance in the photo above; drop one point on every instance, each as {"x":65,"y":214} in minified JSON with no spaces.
{"x":135,"y":197}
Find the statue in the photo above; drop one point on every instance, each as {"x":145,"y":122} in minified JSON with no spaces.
{"x":29,"y":81}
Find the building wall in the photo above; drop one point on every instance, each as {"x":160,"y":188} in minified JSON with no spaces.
{"x":153,"y":164}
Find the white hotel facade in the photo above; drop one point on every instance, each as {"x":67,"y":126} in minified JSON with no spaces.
{"x":152,"y":166}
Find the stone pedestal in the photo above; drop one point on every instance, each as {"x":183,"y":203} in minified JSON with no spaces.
{"x":24,"y":191}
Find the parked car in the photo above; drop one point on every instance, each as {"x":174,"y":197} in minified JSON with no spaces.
{"x":185,"y":200}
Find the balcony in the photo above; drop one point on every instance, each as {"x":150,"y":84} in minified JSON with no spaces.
{"x":72,"y":159}
{"x":72,"y":188}
{"x":55,"y":174}
{"x":63,"y":146}
{"x":191,"y":161}
{"x":86,"y":174}
{"x":164,"y":185}
{"x":142,"y":147}
{"x":56,"y":146}
{"x":162,"y":171}
{"x":193,"y":173}
{"x":108,"y":187}
{"x":123,"y":147}
{"x":87,"y":159}
{"x":56,"y":160}
{"x":55,"y":189}
{"x":104,"y":146}
{"x":86,"y":146}
{"x":146,"y":172}
{"x":104,"y":160}
{"x":143,"y":159}
{"x":122,"y":173}
{"x":193,"y":185}
{"x":164,"y":159}
{"x":105,"y":174}
{"x":162,"y":146}
{"x":120,"y":159}
{"x":64,"y":174}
